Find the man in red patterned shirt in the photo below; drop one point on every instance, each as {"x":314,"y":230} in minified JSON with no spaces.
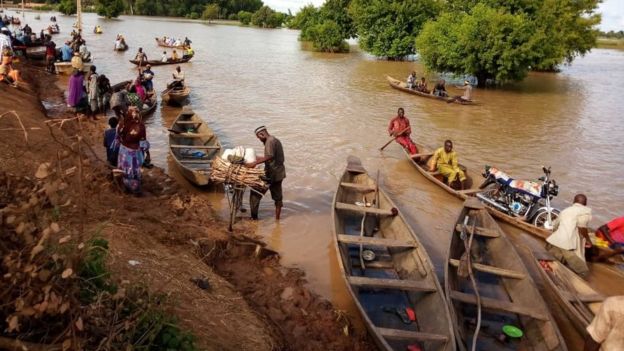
{"x":399,"y":127}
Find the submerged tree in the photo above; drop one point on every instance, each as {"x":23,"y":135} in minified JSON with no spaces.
{"x":328,"y":37}
{"x":109,"y":8}
{"x":211,"y":12}
{"x":389,"y":28}
{"x":488,"y":43}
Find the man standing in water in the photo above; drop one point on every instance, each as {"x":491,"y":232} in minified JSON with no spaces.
{"x":275,"y":171}
{"x":399,"y":127}
{"x":567,"y":242}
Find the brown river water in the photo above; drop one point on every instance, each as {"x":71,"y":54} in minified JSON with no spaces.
{"x":324,"y":107}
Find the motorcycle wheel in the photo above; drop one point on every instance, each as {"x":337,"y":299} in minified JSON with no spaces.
{"x":541,"y":218}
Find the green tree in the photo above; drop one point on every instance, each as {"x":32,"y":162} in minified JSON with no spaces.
{"x":67,"y":7}
{"x":211,"y":12}
{"x":109,"y":8}
{"x":306,"y":15}
{"x":488,"y":43}
{"x":388,"y":28}
{"x":266,"y":17}
{"x":244,"y":17}
{"x":328,"y":37}
{"x":337,"y":11}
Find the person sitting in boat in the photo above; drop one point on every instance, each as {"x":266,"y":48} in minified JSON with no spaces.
{"x":570,"y":238}
{"x":66,"y":52}
{"x":178,"y":79}
{"x":422,"y":86}
{"x":84,"y":53}
{"x":440,"y":88}
{"x":611,"y":235}
{"x":467,"y":97}
{"x":187,"y":41}
{"x":97,"y":30}
{"x":27,"y":30}
{"x":177,"y":43}
{"x":147,"y":77}
{"x":444,"y":160}
{"x":411,"y":80}
{"x":188,"y":53}
{"x":140,"y":56}
{"x":174,"y":56}
{"x":399,"y":128}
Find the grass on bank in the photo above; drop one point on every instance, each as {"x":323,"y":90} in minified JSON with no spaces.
{"x":608,"y":43}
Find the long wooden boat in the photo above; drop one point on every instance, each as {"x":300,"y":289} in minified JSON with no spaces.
{"x":38,"y":53}
{"x":508,"y":297}
{"x":66,"y":68}
{"x":385,"y":267}
{"x":402,"y":86}
{"x":578,"y":299}
{"x":177,"y":96}
{"x":161,"y":63}
{"x":193,"y":145}
{"x":420,"y":163}
{"x":165,"y":45}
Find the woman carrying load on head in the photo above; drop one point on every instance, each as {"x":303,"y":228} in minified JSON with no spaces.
{"x":133,"y":142}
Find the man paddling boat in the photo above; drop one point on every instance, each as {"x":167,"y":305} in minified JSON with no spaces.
{"x":467,"y":97}
{"x":400,"y":128}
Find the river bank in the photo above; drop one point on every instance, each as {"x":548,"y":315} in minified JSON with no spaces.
{"x":168,"y":237}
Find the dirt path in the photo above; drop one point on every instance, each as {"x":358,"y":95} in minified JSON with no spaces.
{"x":229,"y":291}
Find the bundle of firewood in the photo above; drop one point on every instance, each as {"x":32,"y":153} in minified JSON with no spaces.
{"x":237,"y":174}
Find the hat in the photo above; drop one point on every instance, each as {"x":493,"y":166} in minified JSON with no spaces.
{"x":260,"y":129}
{"x":466,"y":82}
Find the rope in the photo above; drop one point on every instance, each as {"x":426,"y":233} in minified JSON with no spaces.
{"x":474,"y":284}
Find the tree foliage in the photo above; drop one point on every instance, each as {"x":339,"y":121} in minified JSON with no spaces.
{"x":67,"y":7}
{"x":183,"y":8}
{"x":328,"y":36}
{"x":337,"y":11}
{"x":306,"y":15}
{"x":389,"y":28}
{"x":109,"y":8}
{"x":245,"y":17}
{"x":211,"y":12}
{"x":488,"y":43}
{"x":266,"y":17}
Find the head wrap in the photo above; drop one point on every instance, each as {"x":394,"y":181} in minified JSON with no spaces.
{"x":260,"y":129}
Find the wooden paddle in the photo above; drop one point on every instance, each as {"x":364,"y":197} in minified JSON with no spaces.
{"x":393,"y":139}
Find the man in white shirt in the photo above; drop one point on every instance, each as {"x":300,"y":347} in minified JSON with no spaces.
{"x":5,"y":39}
{"x":567,"y":242}
{"x":606,"y":331}
{"x":164,"y":57}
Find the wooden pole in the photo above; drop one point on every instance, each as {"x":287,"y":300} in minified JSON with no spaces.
{"x":79,"y":13}
{"x":394,"y":138}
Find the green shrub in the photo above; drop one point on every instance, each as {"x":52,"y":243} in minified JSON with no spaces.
{"x":244,"y":17}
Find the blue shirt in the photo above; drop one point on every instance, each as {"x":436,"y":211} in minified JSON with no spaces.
{"x":109,"y":136}
{"x":66,"y":53}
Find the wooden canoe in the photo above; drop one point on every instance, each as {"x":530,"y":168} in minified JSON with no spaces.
{"x":193,"y":145}
{"x":401,"y":274}
{"x":123,"y":48}
{"x":578,"y":299}
{"x":507,"y":292}
{"x":66,"y":68}
{"x":163,"y":44}
{"x":176,"y":97}
{"x":421,"y":165}
{"x":160,"y":63}
{"x":38,"y":53}
{"x":402,"y":86}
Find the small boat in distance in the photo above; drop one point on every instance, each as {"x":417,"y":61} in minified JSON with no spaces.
{"x":402,"y":86}
{"x":161,"y":63}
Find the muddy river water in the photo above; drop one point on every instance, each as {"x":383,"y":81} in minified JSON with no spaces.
{"x":324,"y":107}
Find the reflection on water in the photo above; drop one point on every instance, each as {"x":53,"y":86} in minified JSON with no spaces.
{"x":324,"y":107}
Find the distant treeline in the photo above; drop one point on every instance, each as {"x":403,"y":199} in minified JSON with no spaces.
{"x":612,"y":34}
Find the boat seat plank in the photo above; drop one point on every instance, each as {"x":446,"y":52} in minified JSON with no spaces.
{"x":191,"y":135}
{"x":194,"y":147}
{"x":410,"y":285}
{"x":470,"y":191}
{"x":587,"y":298}
{"x":410,"y":335}
{"x":421,"y":155}
{"x":367,"y":240}
{"x":371,"y":210}
{"x":506,"y":273}
{"x":490,"y":233}
{"x":499,"y":305}
{"x":358,"y":187}
{"x":196,"y":161}
{"x":188,"y":122}
{"x":374,"y":264}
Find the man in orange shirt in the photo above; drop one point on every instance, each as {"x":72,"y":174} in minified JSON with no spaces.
{"x":399,"y":127}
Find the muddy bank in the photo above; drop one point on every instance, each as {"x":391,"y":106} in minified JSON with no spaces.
{"x":169,"y":239}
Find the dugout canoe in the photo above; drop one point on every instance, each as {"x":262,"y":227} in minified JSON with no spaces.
{"x":38,"y":53}
{"x":402,"y":86}
{"x":161,"y":43}
{"x":160,"y":63}
{"x":508,"y":294}
{"x":578,"y":299}
{"x":65,"y":68}
{"x":121,"y":49}
{"x":420,"y":161}
{"x":399,"y":276}
{"x":176,"y":97}
{"x":193,"y":145}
